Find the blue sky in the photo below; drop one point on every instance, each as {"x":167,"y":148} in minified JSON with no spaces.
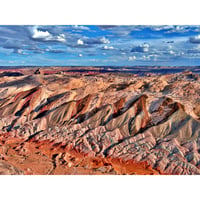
{"x":92,"y":45}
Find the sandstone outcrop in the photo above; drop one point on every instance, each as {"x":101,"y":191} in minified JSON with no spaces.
{"x":107,"y":123}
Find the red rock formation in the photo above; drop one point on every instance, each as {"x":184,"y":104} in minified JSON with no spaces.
{"x":59,"y":124}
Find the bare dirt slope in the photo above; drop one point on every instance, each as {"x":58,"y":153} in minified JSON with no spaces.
{"x":54,"y":122}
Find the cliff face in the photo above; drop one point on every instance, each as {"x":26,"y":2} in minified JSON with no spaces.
{"x":59,"y":123}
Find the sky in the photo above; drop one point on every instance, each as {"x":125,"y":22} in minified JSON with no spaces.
{"x":103,"y":45}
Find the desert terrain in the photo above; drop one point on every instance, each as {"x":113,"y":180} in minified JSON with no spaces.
{"x":62,"y":120}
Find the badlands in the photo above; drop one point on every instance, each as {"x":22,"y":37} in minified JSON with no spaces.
{"x":56,"y":120}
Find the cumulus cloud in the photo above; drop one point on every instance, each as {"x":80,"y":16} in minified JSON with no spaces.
{"x":101,"y":40}
{"x":171,"y":52}
{"x":46,"y":36}
{"x":183,"y":29}
{"x":19,"y":51}
{"x":168,"y":42}
{"x":145,"y":57}
{"x":131,"y":58}
{"x":87,"y":42}
{"x":195,"y":39}
{"x":162,"y":27}
{"x":104,"y":40}
{"x":175,"y":28}
{"x":37,"y":34}
{"x":141,"y":48}
{"x":80,"y":42}
{"x":107,"y":47}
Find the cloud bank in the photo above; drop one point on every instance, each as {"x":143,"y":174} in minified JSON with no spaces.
{"x":100,"y":45}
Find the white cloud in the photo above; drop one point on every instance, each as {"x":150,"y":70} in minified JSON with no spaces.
{"x":80,"y":42}
{"x":141,"y":48}
{"x":170,"y":46}
{"x":108,"y":47}
{"x":80,"y":55}
{"x":162,"y":27}
{"x":171,"y":52}
{"x":19,"y":51}
{"x":40,"y":34}
{"x":60,"y":38}
{"x":105,"y":40}
{"x":195,"y":39}
{"x":131,"y":58}
{"x":145,"y":57}
{"x":178,"y":29}
{"x":46,"y":36}
{"x":173,"y":28}
{"x":149,"y":57}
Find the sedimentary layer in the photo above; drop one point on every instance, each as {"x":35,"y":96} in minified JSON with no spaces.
{"x":58,"y":122}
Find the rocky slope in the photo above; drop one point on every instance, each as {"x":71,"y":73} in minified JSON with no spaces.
{"x":57,"y":122}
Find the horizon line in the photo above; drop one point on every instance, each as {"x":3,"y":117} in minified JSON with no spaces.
{"x":99,"y":66}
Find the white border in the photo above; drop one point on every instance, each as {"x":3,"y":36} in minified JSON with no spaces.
{"x":124,"y":12}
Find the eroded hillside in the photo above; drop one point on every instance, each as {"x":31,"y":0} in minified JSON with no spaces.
{"x":102,"y":123}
